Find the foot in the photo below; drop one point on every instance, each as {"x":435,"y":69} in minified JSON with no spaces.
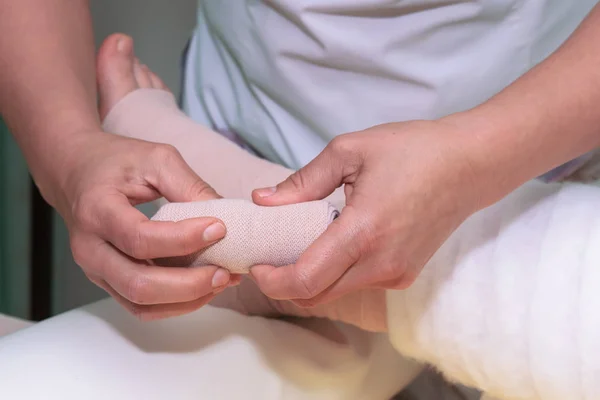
{"x":119,"y":72}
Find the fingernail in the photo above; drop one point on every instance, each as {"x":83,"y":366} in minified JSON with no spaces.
{"x":214,"y":232}
{"x":220,"y":279}
{"x":121,"y":45}
{"x":266,"y":192}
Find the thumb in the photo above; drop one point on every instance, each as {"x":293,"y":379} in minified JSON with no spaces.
{"x":178,"y":182}
{"x":317,"y":180}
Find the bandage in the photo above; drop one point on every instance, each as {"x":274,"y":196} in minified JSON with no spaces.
{"x":255,"y":235}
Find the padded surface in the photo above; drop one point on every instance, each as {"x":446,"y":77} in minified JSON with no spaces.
{"x":10,"y":324}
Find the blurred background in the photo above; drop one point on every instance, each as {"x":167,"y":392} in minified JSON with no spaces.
{"x":38,"y":277}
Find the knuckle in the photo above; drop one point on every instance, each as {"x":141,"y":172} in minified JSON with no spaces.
{"x":348,"y":151}
{"x":139,"y":290}
{"x":197,"y":289}
{"x":297,"y":180}
{"x":395,"y":278}
{"x":369,"y":235}
{"x":307,"y":286}
{"x":83,"y":255}
{"x":340,"y":145}
{"x":392,"y":272}
{"x":94,"y":280}
{"x":407,"y":280}
{"x":139,"y":312}
{"x":78,"y":251}
{"x":82,"y":210}
{"x":307,"y":303}
{"x":401,"y":284}
{"x":135,"y":245}
{"x":199,"y":188}
{"x":165,"y":153}
{"x":354,"y":251}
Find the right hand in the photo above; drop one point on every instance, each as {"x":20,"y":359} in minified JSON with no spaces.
{"x":366,"y":309}
{"x":95,"y":190}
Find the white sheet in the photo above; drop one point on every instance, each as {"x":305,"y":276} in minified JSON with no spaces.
{"x":10,"y":324}
{"x":101,"y":352}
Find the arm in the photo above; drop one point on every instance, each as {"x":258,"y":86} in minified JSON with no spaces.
{"x":93,"y":179}
{"x":47,"y":76}
{"x":409,"y":185}
{"x":546,"y":118}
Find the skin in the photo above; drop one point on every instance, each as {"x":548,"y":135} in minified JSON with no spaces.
{"x":94,"y":178}
{"x":120,"y":73}
{"x":409,"y":185}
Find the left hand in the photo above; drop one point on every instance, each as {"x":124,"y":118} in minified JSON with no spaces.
{"x":408,"y":186}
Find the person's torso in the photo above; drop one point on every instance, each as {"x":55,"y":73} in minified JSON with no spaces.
{"x":289,"y":75}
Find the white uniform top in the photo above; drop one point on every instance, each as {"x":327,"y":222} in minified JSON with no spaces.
{"x":289,"y":75}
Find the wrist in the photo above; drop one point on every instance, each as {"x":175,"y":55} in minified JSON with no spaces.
{"x":489,"y":143}
{"x":53,"y":160}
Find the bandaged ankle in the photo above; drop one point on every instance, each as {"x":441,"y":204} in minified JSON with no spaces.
{"x":255,"y":235}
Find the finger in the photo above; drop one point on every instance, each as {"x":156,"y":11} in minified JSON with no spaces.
{"x":323,"y":263}
{"x":316,"y":180}
{"x":156,"y":311}
{"x":144,"y":284}
{"x":246,"y":299}
{"x":402,"y":283}
{"x":359,"y":277}
{"x":174,"y":178}
{"x":363,"y":275}
{"x":131,"y":232}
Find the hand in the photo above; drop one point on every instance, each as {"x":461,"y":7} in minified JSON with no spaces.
{"x":365,"y":309}
{"x":102,"y":180}
{"x":408,"y":186}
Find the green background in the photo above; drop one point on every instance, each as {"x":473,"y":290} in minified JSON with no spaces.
{"x":15,"y":227}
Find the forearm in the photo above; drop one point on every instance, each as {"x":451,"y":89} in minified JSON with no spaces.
{"x":544,"y":119}
{"x":47,"y":76}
